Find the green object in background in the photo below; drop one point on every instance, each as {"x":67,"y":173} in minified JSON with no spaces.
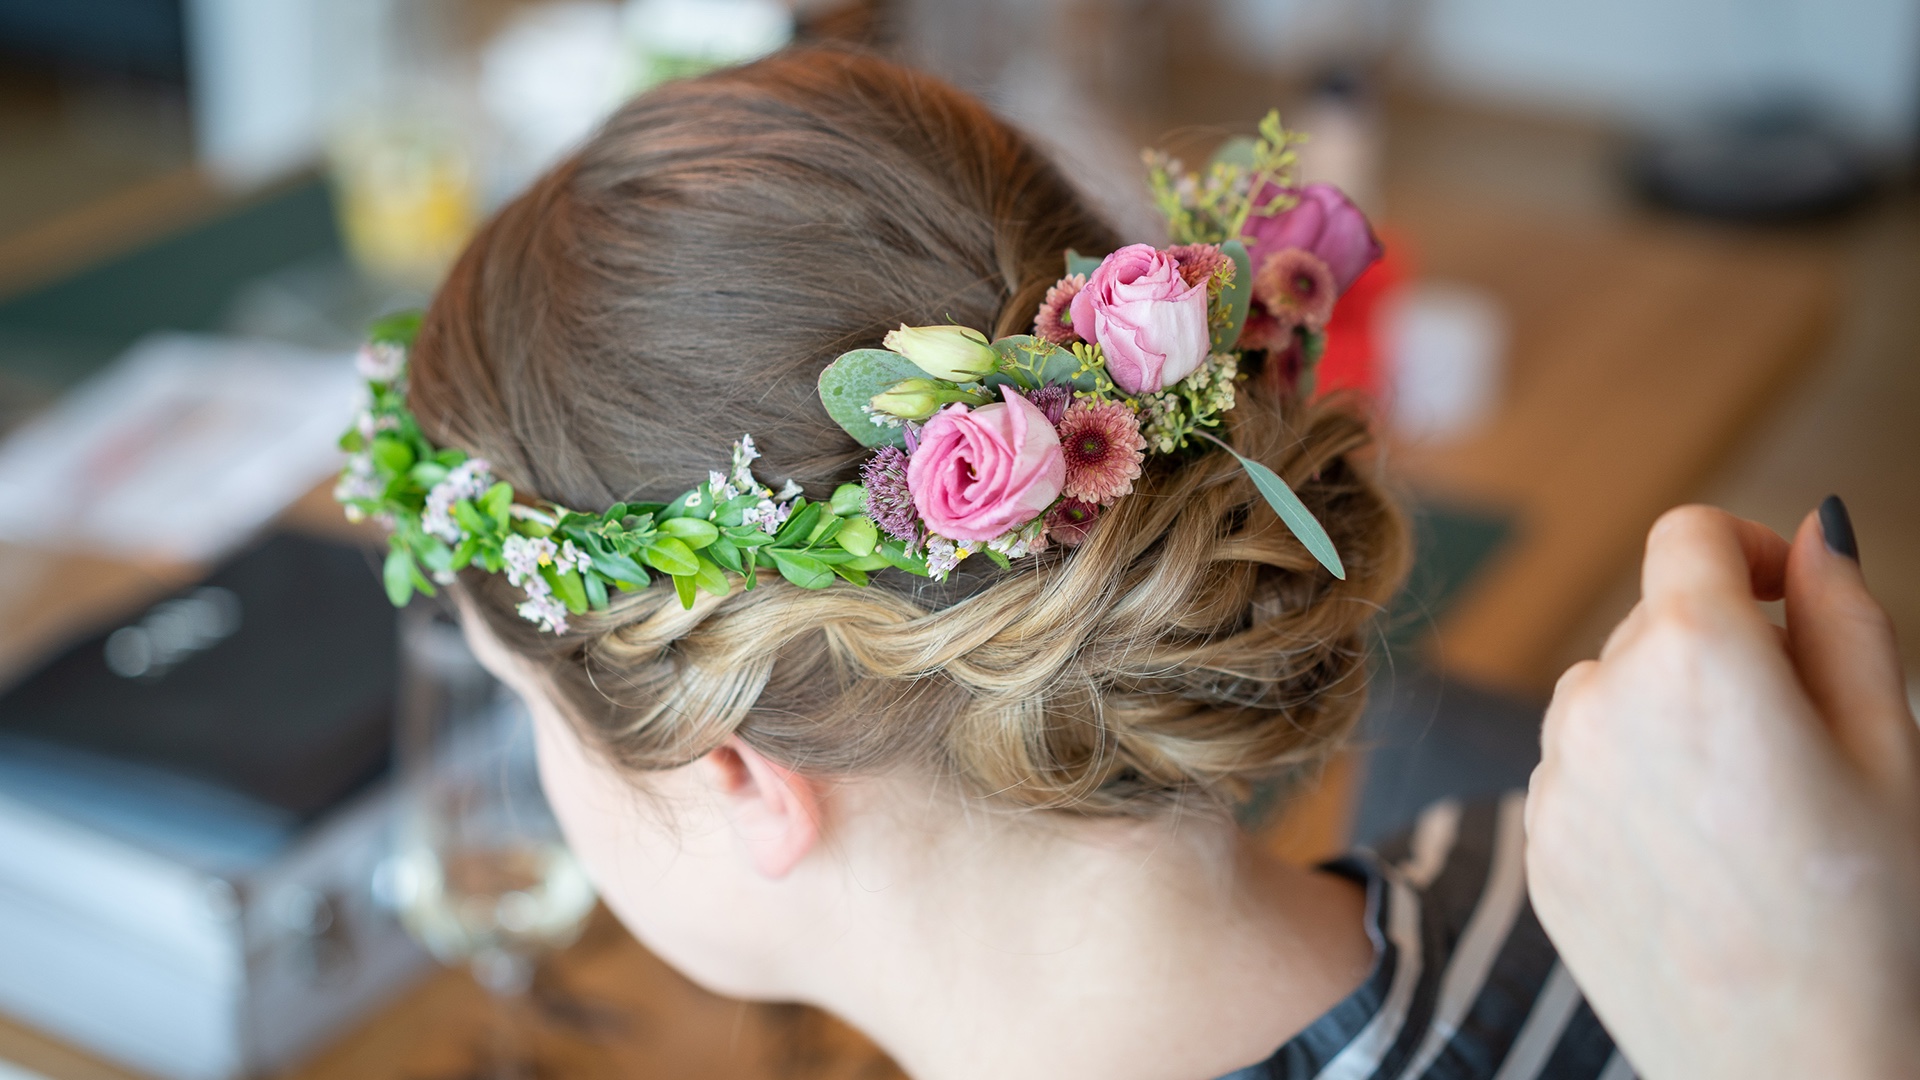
{"x":58,"y":334}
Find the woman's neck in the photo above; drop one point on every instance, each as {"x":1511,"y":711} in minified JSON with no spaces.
{"x":1162,"y":951}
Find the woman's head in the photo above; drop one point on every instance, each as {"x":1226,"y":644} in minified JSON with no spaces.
{"x":685,"y":278}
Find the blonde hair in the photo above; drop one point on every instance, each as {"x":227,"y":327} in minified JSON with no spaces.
{"x":688,"y":275}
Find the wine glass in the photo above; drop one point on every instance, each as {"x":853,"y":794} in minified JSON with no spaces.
{"x":481,"y":875}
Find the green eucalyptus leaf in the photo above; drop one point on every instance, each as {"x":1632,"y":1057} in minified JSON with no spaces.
{"x":1082,"y":264}
{"x":851,"y":382}
{"x":848,"y":500}
{"x":1235,"y":297}
{"x":858,"y":535}
{"x":1038,"y":363}
{"x":695,"y":532}
{"x":670,"y":556}
{"x":1285,"y":503}
{"x":802,"y":569}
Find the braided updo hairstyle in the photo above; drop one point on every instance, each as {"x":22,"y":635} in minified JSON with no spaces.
{"x":684,"y":278}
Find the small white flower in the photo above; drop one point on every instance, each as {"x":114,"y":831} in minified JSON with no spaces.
{"x":769,"y":515}
{"x":381,"y":361}
{"x":790,"y":491}
{"x":551,"y":614}
{"x":942,"y":556}
{"x":524,"y":556}
{"x":569,"y":557}
{"x":468,"y":480}
{"x":717,"y":483}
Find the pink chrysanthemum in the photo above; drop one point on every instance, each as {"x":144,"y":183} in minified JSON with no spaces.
{"x":1296,"y":288}
{"x":1103,"y":447}
{"x":1198,"y":262}
{"x":1055,"y":320}
{"x":1052,"y":400}
{"x":1069,"y":522}
{"x":889,"y":503}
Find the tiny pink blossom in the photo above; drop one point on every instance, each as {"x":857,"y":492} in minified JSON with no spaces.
{"x":1296,"y":289}
{"x":1054,"y":321}
{"x":1069,"y":523}
{"x":1199,"y":262}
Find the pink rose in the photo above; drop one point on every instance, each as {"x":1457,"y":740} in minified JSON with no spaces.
{"x":979,"y":472}
{"x":1323,"y":223}
{"x":1151,"y":324}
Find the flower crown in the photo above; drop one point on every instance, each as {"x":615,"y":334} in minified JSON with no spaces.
{"x":999,"y":448}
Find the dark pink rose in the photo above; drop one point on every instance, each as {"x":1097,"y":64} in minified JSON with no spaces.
{"x":1149,"y":322}
{"x":1324,"y":223}
{"x":978,"y":472}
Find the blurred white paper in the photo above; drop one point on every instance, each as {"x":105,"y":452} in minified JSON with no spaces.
{"x":179,"y":450}
{"x":1445,"y":347}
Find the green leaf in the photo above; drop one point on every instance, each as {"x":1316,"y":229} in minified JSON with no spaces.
{"x":391,"y":455}
{"x":614,"y":513}
{"x":596,"y":591}
{"x":1082,"y":264}
{"x":670,"y":556}
{"x":683,"y":585}
{"x":496,"y":501}
{"x":858,"y":577}
{"x":464,"y":554}
{"x":850,"y":383}
{"x":451,"y":456}
{"x":848,"y":500}
{"x":1291,"y":510}
{"x":617,"y":567}
{"x":999,"y":560}
{"x":435,"y":554}
{"x":895,"y":552}
{"x":858,"y":535}
{"x":872,"y":561}
{"x":1040,"y":362}
{"x":1235,"y":297}
{"x":398,"y":574}
{"x":748,"y":536}
{"x":805,"y":516}
{"x":802,"y":569}
{"x":696,"y":503}
{"x":399,"y":328}
{"x":470,"y":518}
{"x":427,"y":473}
{"x":1237,"y":152}
{"x":726,"y":554}
{"x":712,"y":579}
{"x":695,"y":532}
{"x":824,"y":532}
{"x":567,"y":587}
{"x":1313,"y":345}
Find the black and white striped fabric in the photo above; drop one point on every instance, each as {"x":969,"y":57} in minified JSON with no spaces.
{"x":1465,"y":984}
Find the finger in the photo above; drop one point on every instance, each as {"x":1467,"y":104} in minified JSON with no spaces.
{"x":1624,"y":634}
{"x":1707,"y":553}
{"x":1842,"y":646}
{"x":1565,"y":691}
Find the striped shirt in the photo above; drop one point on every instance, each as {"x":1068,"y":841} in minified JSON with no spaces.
{"x":1465,"y":984}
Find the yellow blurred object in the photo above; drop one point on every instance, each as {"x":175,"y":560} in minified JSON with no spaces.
{"x":407,"y":199}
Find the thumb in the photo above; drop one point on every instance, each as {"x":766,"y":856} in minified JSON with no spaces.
{"x":1842,"y":646}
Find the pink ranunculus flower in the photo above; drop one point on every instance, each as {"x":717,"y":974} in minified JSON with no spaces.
{"x":978,"y":472}
{"x":1324,"y":222}
{"x":1149,"y":322}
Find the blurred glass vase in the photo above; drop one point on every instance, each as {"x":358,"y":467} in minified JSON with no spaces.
{"x":481,"y":875}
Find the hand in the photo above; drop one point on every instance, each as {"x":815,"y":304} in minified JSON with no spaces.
{"x":1723,"y":835}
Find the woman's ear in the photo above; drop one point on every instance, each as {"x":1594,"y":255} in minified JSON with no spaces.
{"x":774,"y":810}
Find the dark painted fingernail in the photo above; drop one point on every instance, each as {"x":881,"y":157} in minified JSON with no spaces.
{"x":1837,"y":528}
